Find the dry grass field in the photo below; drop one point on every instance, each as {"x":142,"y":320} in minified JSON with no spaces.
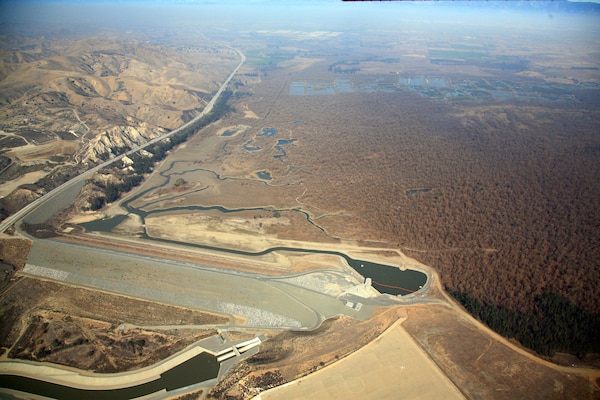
{"x":77,"y":327}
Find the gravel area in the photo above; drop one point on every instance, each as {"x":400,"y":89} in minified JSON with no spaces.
{"x":329,"y":283}
{"x":259,"y":318}
{"x":261,"y":304}
{"x":44,"y":272}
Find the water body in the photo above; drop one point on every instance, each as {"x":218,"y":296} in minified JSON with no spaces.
{"x":268,"y":132}
{"x":438,"y":83}
{"x":264,"y":175}
{"x":385,"y":278}
{"x":279,"y":147}
{"x":344,"y":85}
{"x":229,"y":132}
{"x":417,"y":81}
{"x":197,"y":369}
{"x":57,"y":204}
{"x":297,"y":89}
{"x":412,"y":192}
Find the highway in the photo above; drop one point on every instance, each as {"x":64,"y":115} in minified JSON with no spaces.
{"x":23,"y":212}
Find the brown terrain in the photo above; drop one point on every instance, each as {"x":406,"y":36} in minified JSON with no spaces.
{"x":77,"y":327}
{"x":68,"y":103}
{"x":496,"y":195}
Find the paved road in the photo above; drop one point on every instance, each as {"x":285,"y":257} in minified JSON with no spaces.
{"x":78,"y":180}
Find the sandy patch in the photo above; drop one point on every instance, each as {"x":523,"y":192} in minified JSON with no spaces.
{"x":392,"y":366}
{"x":233,"y":131}
{"x":248,"y":113}
{"x":238,"y":233}
{"x":31,"y":177}
{"x":131,"y":226}
{"x":44,"y":151}
{"x":87,"y":217}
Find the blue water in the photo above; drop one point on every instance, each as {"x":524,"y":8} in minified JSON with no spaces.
{"x":417,"y":81}
{"x":265,"y":175}
{"x":438,"y":83}
{"x":279,"y":147}
{"x":197,"y":369}
{"x":297,"y":89}
{"x":344,"y":85}
{"x":229,"y":132}
{"x":268,"y":132}
{"x":412,"y":192}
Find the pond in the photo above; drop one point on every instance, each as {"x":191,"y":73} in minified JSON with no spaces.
{"x":412,"y":192}
{"x":343,"y":85}
{"x":297,"y":89}
{"x":439,"y":83}
{"x":229,"y":132}
{"x":268,"y":132}
{"x":264,"y":175}
{"x":319,"y":88}
{"x":279,"y":147}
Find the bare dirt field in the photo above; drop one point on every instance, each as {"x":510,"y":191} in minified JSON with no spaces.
{"x":290,"y":355}
{"x":390,"y":366}
{"x":486,"y":368}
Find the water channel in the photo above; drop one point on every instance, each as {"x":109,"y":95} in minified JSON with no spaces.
{"x":200,"y":368}
{"x":386,"y":279}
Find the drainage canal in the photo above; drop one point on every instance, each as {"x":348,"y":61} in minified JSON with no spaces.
{"x":200,"y":368}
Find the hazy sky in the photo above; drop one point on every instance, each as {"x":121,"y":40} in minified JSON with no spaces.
{"x":33,"y":17}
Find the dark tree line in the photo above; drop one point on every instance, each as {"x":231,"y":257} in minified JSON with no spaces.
{"x":554,"y":325}
{"x":511,"y":210}
{"x":113,"y":191}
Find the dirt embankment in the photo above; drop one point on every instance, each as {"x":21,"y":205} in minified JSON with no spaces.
{"x":14,"y":251}
{"x":286,"y":356}
{"x":484,"y":367}
{"x":13,"y":256}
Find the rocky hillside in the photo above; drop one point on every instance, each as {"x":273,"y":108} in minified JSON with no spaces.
{"x":66,"y":103}
{"x":111,"y":141}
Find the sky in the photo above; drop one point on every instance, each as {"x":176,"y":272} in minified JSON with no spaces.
{"x":31,"y":16}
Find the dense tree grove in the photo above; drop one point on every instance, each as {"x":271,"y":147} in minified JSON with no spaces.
{"x":510,"y":209}
{"x":554,"y":324}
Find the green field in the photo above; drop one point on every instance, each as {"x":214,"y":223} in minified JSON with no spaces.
{"x":262,"y":57}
